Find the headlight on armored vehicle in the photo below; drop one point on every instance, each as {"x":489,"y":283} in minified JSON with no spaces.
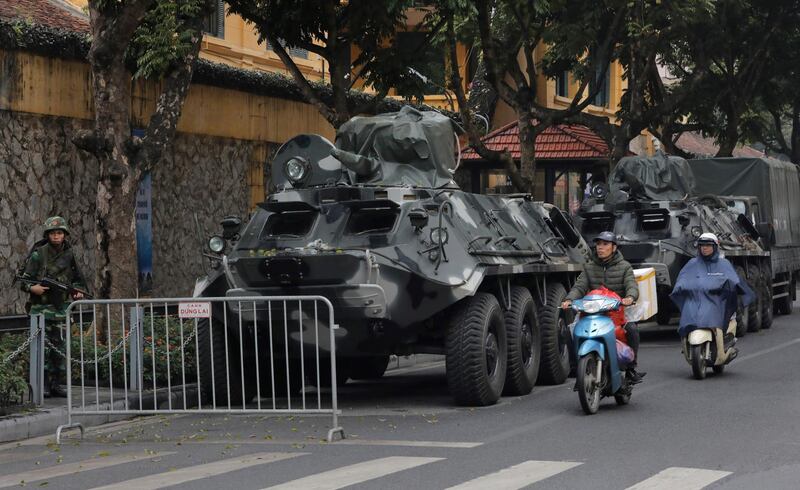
{"x":696,"y":231}
{"x":216,"y":244}
{"x":439,"y":235}
{"x":296,"y":169}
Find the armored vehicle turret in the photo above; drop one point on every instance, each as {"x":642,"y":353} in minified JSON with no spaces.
{"x":410,"y":262}
{"x":652,"y":208}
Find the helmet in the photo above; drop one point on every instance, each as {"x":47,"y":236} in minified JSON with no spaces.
{"x":708,"y":239}
{"x":606,"y":236}
{"x":55,"y":223}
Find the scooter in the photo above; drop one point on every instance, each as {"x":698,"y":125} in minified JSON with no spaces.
{"x":705,"y":347}
{"x":599,"y":372}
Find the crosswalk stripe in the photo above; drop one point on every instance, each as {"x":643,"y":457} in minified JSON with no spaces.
{"x":71,"y":468}
{"x":355,"y":473}
{"x":517,"y":476}
{"x":198,"y":472}
{"x":683,"y":478}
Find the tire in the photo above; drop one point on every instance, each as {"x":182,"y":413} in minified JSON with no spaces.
{"x":554,"y":325}
{"x":698,"y":362}
{"x":587,"y":384}
{"x":524,"y":343}
{"x":372,"y":367}
{"x":742,"y":315}
{"x":217,"y":392}
{"x":755,"y":308}
{"x":665,"y":309}
{"x":766,"y":305}
{"x":476,"y":351}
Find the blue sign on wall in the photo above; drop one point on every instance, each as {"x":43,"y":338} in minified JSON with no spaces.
{"x":144,"y":234}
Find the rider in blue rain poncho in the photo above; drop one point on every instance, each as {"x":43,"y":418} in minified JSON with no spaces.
{"x":707,"y":288}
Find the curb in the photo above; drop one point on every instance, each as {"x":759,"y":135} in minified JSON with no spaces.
{"x":45,"y":421}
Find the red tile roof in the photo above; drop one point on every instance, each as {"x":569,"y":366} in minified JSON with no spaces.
{"x":52,"y":13}
{"x":700,"y":146}
{"x":564,"y":141}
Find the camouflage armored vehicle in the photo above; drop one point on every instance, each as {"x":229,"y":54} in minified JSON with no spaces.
{"x":478,"y":278}
{"x":652,"y":209}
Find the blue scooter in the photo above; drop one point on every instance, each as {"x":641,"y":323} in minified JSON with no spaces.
{"x":598,"y":372}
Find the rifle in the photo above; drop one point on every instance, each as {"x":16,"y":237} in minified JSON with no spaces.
{"x":52,"y":283}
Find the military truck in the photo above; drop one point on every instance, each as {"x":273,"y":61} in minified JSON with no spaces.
{"x":377,"y":216}
{"x":653,"y":209}
{"x":767,"y":191}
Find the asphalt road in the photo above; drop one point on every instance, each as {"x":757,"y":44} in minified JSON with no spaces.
{"x":738,"y":430}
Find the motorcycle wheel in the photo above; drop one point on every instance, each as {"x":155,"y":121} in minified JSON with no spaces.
{"x":588,"y":384}
{"x":698,"y":362}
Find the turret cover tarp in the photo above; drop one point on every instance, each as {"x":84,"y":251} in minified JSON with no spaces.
{"x":657,"y":178}
{"x":402,"y":148}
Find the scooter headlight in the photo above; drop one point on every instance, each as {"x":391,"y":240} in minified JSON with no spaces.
{"x":593,"y":306}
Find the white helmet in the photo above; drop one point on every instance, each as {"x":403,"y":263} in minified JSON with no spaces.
{"x":708,"y":238}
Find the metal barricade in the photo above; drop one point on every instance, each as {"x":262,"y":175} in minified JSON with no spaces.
{"x":251,"y":354}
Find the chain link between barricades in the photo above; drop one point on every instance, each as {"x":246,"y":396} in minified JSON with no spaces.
{"x":22,"y":346}
{"x":113,"y":351}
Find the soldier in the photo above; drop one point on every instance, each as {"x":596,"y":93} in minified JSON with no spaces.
{"x":53,"y":260}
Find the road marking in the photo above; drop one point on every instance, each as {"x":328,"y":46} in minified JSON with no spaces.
{"x":518,"y":476}
{"x":343,"y":442}
{"x":72,"y":468}
{"x":198,"y":472}
{"x":356,"y":473}
{"x":683,"y":478}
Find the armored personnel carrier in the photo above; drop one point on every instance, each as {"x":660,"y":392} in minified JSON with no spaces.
{"x":652,"y":208}
{"x":410,"y":262}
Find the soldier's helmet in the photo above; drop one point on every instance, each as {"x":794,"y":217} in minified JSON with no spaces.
{"x":55,"y":223}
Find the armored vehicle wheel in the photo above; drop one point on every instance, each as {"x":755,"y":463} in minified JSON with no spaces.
{"x":742,"y":315}
{"x":371,"y":367}
{"x":754,"y":310}
{"x":665,"y":309}
{"x":476,"y":351}
{"x":524,"y":343}
{"x":556,"y":342}
{"x":766,"y":305}
{"x":212,"y":357}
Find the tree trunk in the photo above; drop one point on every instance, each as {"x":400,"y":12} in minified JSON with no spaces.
{"x":116,"y":272}
{"x":730,"y":136}
{"x":527,"y":148}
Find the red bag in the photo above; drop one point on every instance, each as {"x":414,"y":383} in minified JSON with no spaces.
{"x":617,"y":316}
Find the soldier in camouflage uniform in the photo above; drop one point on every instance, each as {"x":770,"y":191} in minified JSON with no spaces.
{"x":55,"y":260}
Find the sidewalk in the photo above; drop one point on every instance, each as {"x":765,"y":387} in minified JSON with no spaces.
{"x":45,"y":420}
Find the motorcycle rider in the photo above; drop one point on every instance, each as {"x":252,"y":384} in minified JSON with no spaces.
{"x":607,"y":267}
{"x":706,"y":291}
